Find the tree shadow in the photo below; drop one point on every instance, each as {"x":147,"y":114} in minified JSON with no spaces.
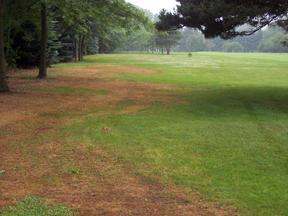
{"x":238,"y":101}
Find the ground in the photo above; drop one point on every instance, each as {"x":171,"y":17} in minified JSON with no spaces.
{"x":38,"y":162}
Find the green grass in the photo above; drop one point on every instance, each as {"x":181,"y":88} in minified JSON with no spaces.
{"x":76,"y":91}
{"x":205,"y":69}
{"x":36,"y":206}
{"x":228,"y":141}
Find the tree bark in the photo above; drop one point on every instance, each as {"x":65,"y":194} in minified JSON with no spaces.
{"x":76,"y":50}
{"x":3,"y":80}
{"x":82,"y":48}
{"x":8,"y":41}
{"x":168,"y":49}
{"x":102,"y":49}
{"x":79,"y":50}
{"x":42,"y":66}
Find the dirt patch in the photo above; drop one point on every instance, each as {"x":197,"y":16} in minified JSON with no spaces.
{"x":38,"y":162}
{"x":104,"y":71}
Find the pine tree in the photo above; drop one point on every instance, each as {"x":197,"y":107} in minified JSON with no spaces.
{"x":222,"y":17}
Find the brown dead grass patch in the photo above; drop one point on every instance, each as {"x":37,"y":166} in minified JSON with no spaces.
{"x":37,"y":161}
{"x":104,"y":71}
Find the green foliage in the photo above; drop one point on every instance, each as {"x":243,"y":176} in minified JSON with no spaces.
{"x":273,"y":44}
{"x":168,"y":39}
{"x":232,"y":47}
{"x":196,"y":43}
{"x":222,"y":17}
{"x":74,"y":171}
{"x":69,"y":20}
{"x":24,"y":49}
{"x":35,"y":206}
{"x":92,"y":46}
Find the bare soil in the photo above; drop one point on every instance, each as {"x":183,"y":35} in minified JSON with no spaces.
{"x":106,"y":186}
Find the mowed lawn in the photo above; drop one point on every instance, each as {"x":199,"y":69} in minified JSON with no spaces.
{"x":220,"y":129}
{"x":226,"y":137}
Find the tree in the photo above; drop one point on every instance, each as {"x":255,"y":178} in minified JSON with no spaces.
{"x":170,"y":36}
{"x":168,"y":39}
{"x":81,"y":16}
{"x":232,"y":47}
{"x":3,"y":80}
{"x":195,"y":43}
{"x":273,"y":43}
{"x":42,"y":61}
{"x":223,"y":17}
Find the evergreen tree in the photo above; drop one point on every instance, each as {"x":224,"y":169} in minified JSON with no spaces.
{"x":223,"y":17}
{"x":92,"y":46}
{"x":168,"y":40}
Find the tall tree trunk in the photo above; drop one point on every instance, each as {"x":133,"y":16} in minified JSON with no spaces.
{"x":76,"y":50}
{"x":162,"y":50}
{"x":42,"y":66}
{"x":102,"y":49}
{"x":8,"y":41}
{"x":3,"y":80}
{"x":79,"y":53}
{"x":168,"y":49}
{"x":82,"y":48}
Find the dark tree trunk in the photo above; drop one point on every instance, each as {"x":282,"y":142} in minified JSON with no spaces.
{"x":168,"y":50}
{"x":8,"y":41}
{"x":3,"y":80}
{"x":82,"y":48}
{"x":103,"y":49}
{"x":162,"y":50}
{"x":42,"y":66}
{"x":79,"y":53}
{"x":76,"y":50}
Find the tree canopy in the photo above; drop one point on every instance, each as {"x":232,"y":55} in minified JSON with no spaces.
{"x":223,"y":17}
{"x":77,"y":20}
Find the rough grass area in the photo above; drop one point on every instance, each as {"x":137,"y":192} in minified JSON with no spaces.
{"x":36,"y":206}
{"x":172,"y":135}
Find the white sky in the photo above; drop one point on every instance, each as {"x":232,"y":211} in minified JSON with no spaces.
{"x":154,"y":5}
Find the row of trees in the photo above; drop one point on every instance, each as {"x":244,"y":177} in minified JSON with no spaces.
{"x":225,"y":19}
{"x":41,"y":32}
{"x":266,"y":40}
{"x":192,"y":40}
{"x":142,"y":39}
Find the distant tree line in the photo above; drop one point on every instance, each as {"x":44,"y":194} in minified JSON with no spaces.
{"x":269,"y":39}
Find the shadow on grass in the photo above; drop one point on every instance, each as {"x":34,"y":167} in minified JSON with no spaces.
{"x":238,"y":101}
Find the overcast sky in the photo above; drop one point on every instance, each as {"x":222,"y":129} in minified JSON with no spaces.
{"x":154,"y":5}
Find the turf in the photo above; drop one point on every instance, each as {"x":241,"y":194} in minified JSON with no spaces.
{"x":227,"y":138}
{"x":217,"y":125}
